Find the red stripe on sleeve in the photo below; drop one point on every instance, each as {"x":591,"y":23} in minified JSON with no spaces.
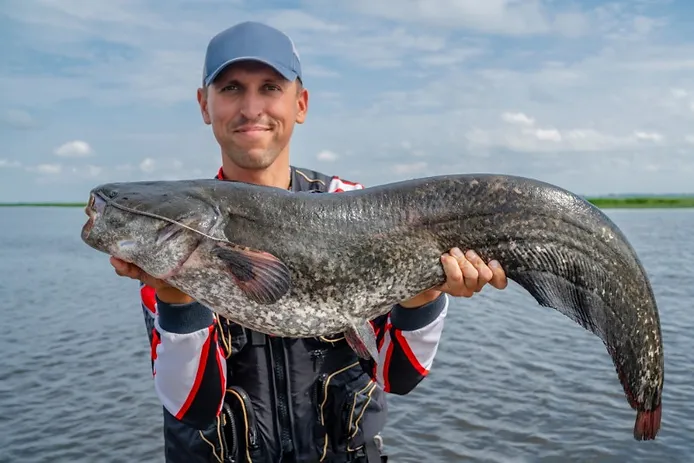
{"x":346,"y":182}
{"x":155,"y":342}
{"x":147,"y":293}
{"x":386,"y":368}
{"x":222,"y":379}
{"x":198,"y":376}
{"x":376,"y":328}
{"x":410,"y":355}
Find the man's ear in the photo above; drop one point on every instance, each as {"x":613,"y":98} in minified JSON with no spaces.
{"x":302,"y":105}
{"x":202,"y":101}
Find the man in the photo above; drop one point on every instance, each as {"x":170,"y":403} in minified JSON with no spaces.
{"x":231,"y":394}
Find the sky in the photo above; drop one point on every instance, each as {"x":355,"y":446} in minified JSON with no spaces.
{"x":596,"y":97}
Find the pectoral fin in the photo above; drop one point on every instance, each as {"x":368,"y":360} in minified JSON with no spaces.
{"x":362,"y":339}
{"x":262,"y":277}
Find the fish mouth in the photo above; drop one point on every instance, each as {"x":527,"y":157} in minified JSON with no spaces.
{"x":94,"y":208}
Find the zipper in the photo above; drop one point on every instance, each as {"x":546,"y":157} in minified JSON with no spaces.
{"x":250,"y":414}
{"x":318,"y":391}
{"x":282,"y":394}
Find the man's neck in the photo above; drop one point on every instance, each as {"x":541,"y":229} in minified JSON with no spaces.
{"x":277,"y":175}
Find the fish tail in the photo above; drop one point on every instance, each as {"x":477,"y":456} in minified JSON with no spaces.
{"x":647,"y":423}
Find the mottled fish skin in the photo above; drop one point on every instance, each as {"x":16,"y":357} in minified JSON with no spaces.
{"x":353,"y":255}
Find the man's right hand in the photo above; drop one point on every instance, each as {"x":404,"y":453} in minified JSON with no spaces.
{"x":165,"y":292}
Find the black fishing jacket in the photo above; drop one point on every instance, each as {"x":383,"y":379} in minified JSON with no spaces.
{"x":235,"y":395}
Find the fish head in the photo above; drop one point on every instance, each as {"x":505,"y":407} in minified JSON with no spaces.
{"x":154,"y":225}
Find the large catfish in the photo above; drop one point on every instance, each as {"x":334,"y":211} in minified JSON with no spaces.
{"x":306,"y":264}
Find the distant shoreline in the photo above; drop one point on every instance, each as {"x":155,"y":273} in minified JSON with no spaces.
{"x":603,"y":202}
{"x":642,"y":202}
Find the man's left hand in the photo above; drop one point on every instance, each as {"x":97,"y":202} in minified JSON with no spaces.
{"x":466,"y":274}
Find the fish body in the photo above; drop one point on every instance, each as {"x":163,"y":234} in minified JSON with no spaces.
{"x":306,"y":264}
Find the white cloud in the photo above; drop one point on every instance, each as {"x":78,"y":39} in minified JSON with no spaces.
{"x":542,"y":141}
{"x":18,"y":118}
{"x":8,"y":163}
{"x":450,"y":56}
{"x":295,"y":20}
{"x":74,"y":149}
{"x":506,"y":17}
{"x":163,"y":168}
{"x":548,"y":134}
{"x":650,"y":136}
{"x":147,"y":165}
{"x":410,"y":168}
{"x":679,"y":93}
{"x":518,"y":118}
{"x":50,"y":169}
{"x":88,"y":171}
{"x":327,"y":155}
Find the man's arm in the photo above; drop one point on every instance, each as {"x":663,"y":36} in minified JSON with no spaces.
{"x":407,"y":340}
{"x":188,"y":361}
{"x":408,"y":336}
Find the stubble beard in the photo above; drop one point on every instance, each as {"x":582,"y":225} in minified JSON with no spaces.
{"x":252,"y":160}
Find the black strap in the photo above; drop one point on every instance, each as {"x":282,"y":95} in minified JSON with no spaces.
{"x":373,"y":455}
{"x":257,"y":339}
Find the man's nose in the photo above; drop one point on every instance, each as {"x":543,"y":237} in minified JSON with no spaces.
{"x":251,"y":105}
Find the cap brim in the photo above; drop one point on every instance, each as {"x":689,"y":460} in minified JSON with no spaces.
{"x":282,"y":70}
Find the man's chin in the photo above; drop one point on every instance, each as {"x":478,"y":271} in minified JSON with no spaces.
{"x":254,"y":159}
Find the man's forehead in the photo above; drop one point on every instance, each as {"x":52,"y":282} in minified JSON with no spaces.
{"x":244,"y":70}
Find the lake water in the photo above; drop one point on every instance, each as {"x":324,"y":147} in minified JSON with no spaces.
{"x":512,"y":382}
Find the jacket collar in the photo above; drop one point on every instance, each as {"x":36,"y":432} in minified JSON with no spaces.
{"x":292,"y":173}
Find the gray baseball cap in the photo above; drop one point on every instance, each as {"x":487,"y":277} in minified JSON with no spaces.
{"x":252,"y":41}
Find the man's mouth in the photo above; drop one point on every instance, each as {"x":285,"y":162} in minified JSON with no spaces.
{"x":252,"y":128}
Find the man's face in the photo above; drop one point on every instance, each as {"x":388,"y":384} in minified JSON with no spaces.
{"x":252,"y":110}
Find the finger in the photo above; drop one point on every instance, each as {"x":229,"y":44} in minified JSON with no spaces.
{"x":123,"y":268}
{"x":454,"y":275}
{"x":499,"y":280}
{"x":455,"y":280}
{"x":484,"y":273}
{"x":116,"y":262}
{"x":149,"y":280}
{"x":470,"y":273}
{"x":126,"y":269}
